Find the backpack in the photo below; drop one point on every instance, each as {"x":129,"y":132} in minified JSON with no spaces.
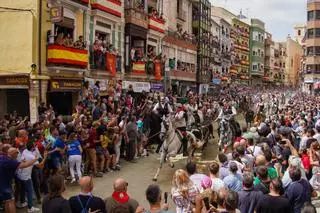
{"x":84,"y":209}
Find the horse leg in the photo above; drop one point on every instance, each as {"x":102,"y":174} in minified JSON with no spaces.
{"x":162,"y":159}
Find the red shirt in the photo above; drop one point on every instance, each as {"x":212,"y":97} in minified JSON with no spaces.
{"x":92,"y":138}
{"x":306,"y":161}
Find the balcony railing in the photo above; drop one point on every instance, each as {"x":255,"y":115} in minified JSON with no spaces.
{"x":109,"y":6}
{"x":156,"y":24}
{"x":182,"y":15}
{"x":58,"y":55}
{"x":83,"y":2}
{"x":137,"y":16}
{"x":179,"y":40}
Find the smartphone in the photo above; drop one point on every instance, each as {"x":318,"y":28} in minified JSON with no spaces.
{"x":166,"y":197}
{"x":206,"y":203}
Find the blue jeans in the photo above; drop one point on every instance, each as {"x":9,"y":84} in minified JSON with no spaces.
{"x":26,"y":188}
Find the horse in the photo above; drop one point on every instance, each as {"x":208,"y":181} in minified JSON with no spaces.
{"x":172,"y":145}
{"x":152,"y":125}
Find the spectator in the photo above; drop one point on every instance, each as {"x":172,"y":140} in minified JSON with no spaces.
{"x":224,"y":169}
{"x":54,"y":202}
{"x":132,"y":132}
{"x":85,"y":200}
{"x":120,"y":201}
{"x":154,"y":197}
{"x":308,"y":208}
{"x":8,"y":168}
{"x":183,"y":192}
{"x":234,"y":180}
{"x":217,"y":183}
{"x":274,"y":202}
{"x":74,"y":151}
{"x":299,"y":191}
{"x":263,"y":185}
{"x":248,"y":198}
{"x":196,"y":178}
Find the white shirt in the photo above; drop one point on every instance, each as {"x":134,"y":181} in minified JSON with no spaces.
{"x":196,"y":179}
{"x":25,"y":173}
{"x":217,"y":184}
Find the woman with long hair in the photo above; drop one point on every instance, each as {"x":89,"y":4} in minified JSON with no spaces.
{"x":183,"y":192}
{"x":54,"y":202}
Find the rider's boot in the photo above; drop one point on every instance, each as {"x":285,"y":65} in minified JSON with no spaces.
{"x":184,"y":146}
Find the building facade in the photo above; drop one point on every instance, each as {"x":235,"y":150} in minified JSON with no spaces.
{"x":257,"y":54}
{"x":201,"y":27}
{"x":270,"y":74}
{"x":312,"y":60}
{"x":241,"y":48}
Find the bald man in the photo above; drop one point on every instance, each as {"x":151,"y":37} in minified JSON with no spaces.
{"x":120,"y":201}
{"x":85,"y":200}
{"x":8,"y":167}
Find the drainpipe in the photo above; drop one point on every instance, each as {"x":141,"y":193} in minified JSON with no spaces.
{"x":39,"y":49}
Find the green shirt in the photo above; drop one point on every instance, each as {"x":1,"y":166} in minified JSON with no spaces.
{"x":272,"y":173}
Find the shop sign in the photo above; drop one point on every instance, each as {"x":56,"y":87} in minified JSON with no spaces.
{"x":66,"y":84}
{"x":14,"y":80}
{"x":136,"y":86}
{"x":158,"y":87}
{"x":56,"y":14}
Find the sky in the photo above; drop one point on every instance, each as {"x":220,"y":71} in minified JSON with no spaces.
{"x":280,"y":16}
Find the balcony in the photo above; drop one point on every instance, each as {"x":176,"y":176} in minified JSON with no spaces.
{"x":136,"y":16}
{"x":182,"y":15}
{"x":58,"y":55}
{"x":105,"y":61}
{"x":112,"y":7}
{"x":82,"y":2}
{"x":186,"y":42}
{"x":156,"y":24}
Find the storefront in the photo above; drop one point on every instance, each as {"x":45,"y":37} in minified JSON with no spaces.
{"x":14,"y":94}
{"x":63,"y":95}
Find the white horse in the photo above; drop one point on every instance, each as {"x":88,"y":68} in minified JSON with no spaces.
{"x":172,"y":145}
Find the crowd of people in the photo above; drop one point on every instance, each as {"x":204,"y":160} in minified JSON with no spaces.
{"x":271,"y":166}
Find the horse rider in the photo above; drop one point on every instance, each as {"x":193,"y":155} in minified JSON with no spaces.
{"x":192,"y":109}
{"x":162,"y":108}
{"x":180,"y":119}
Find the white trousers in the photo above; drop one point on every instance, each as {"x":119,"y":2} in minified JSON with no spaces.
{"x":75,"y":160}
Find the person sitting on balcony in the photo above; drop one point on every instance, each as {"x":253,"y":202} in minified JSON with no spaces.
{"x":80,"y":44}
{"x":68,"y":41}
{"x":60,"y":39}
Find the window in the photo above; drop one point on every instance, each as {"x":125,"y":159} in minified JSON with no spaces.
{"x":310,"y":51}
{"x":299,"y":32}
{"x":254,"y":67}
{"x":311,"y":15}
{"x":317,"y":33}
{"x":310,"y":33}
{"x":317,"y":14}
{"x":317,"y":50}
{"x":254,"y":53}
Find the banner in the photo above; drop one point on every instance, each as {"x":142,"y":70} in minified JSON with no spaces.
{"x":216,"y":81}
{"x":111,"y":64}
{"x":157,"y":69}
{"x":67,"y":55}
{"x":139,"y":67}
{"x":137,"y":86}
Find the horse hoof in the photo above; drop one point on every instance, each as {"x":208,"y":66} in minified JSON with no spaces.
{"x":154,"y":179}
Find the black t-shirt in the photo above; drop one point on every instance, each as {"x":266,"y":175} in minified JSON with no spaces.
{"x":94,"y":204}
{"x":57,"y":204}
{"x":272,"y":204}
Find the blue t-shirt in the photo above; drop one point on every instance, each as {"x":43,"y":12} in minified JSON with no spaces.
{"x":73,"y":148}
{"x":8,"y":169}
{"x":58,"y":144}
